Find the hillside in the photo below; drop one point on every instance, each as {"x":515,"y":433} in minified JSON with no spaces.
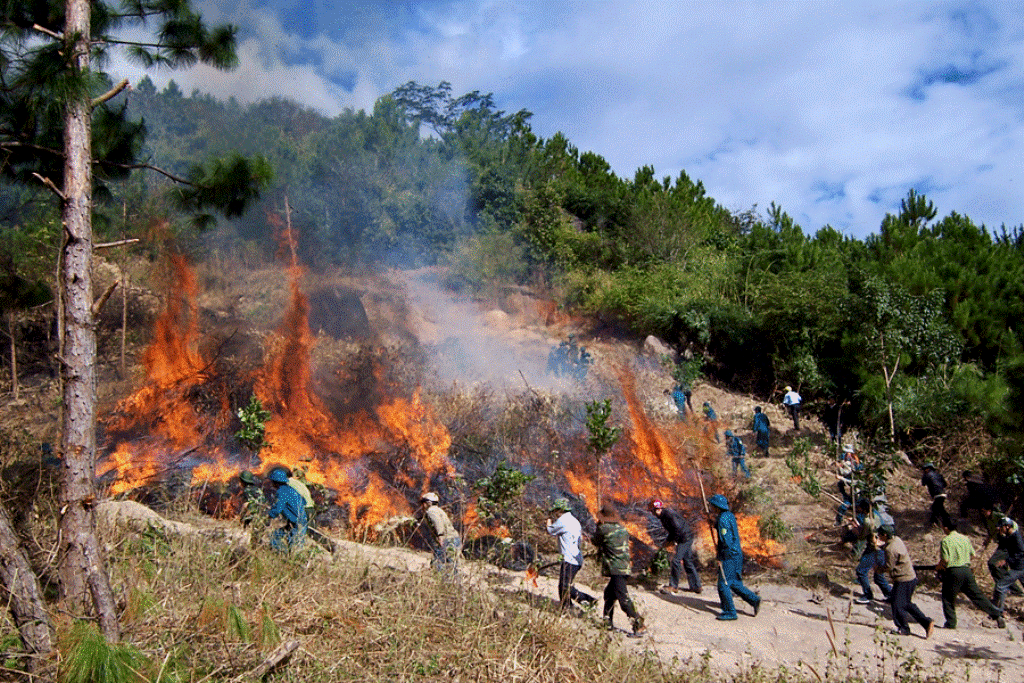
{"x":383,"y":386}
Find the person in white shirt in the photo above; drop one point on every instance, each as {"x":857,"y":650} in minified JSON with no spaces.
{"x":792,"y":402}
{"x":568,"y":530}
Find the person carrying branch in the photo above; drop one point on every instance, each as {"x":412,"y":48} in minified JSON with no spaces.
{"x":612,"y":542}
{"x":679,"y":532}
{"x":730,"y":561}
{"x":568,"y":530}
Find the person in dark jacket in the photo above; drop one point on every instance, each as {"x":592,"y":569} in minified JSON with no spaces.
{"x":992,"y":516}
{"x":936,"y":485}
{"x":682,"y":396}
{"x":730,"y":561}
{"x":1012,"y":544}
{"x":678,"y":531}
{"x":979,"y":494}
{"x":292,"y":508}
{"x":738,"y":452}
{"x":762,"y":429}
{"x":612,"y":542}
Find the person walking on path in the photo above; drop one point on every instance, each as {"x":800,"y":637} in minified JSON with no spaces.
{"x":738,"y":452}
{"x":290,"y":507}
{"x":679,"y":531}
{"x":904,"y":580}
{"x":871,"y":560}
{"x":933,"y":480}
{"x":568,"y":530}
{"x":1012,"y":544}
{"x":762,"y":429}
{"x":954,"y":568}
{"x":447,"y":542}
{"x":992,"y":516}
{"x":612,"y":542}
{"x":730,"y":561}
{"x":711,"y":421}
{"x":792,"y":401}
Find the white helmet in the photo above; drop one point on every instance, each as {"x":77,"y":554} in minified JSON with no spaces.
{"x":431,"y":496}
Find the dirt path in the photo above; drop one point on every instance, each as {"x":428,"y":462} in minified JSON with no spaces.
{"x":792,"y":630}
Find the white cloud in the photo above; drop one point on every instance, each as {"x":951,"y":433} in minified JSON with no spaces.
{"x":802,"y":103}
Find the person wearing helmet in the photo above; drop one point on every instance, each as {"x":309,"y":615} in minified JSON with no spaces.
{"x":612,"y":542}
{"x":290,"y":506}
{"x":730,"y":561}
{"x":738,"y":452}
{"x":678,"y":531}
{"x":900,"y":568}
{"x":762,"y":429}
{"x":568,"y":530}
{"x":447,"y":542}
{"x":936,"y":484}
{"x":253,"y":500}
{"x":1011,"y":545}
{"x":791,"y":400}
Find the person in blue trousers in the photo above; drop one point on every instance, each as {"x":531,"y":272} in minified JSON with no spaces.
{"x":762,"y":428}
{"x":292,"y":508}
{"x":738,"y":452}
{"x":730,"y":561}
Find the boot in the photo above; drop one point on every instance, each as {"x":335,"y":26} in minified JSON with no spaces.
{"x":638,"y":626}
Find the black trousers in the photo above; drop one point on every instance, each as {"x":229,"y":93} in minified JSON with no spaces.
{"x":903,"y":606}
{"x":616,"y":591}
{"x":956,"y":580}
{"x":566,"y":591}
{"x":684,"y":556}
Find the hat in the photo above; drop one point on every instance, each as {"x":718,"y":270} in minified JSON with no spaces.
{"x":1006,"y":521}
{"x":887,"y":530}
{"x":719,"y":501}
{"x":789,"y":388}
{"x":278,"y":475}
{"x":847,"y":448}
{"x":247,"y":477}
{"x":707,"y":403}
{"x":728,"y":432}
{"x":928,"y":466}
{"x":608,"y":513}
{"x":656,"y":505}
{"x":561,"y":504}
{"x":431,"y":496}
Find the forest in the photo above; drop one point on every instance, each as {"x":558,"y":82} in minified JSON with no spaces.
{"x":912,"y":330}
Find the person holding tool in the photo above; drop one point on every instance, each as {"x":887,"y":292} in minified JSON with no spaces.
{"x":568,"y":530}
{"x":447,"y":542}
{"x":730,"y":561}
{"x":679,"y":532}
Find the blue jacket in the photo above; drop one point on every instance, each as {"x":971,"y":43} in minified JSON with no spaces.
{"x":728,"y":537}
{"x":290,"y":504}
{"x":736,"y":447}
{"x":761,"y":423}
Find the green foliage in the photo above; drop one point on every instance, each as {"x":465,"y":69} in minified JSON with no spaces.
{"x":238,"y":627}
{"x":253,"y":417}
{"x":91,"y":659}
{"x":500,"y":492}
{"x":772,"y":526}
{"x":804,"y":472}
{"x":602,"y":435}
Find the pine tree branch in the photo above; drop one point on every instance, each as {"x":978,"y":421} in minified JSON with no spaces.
{"x":43,"y":29}
{"x":49,"y":183}
{"x":113,"y":92}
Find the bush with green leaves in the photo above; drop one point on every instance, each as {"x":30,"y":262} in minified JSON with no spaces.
{"x":254,"y":420}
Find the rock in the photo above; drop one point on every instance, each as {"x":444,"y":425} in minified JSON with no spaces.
{"x":655,"y":348}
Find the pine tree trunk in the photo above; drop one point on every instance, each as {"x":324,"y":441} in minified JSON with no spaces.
{"x":14,"y":355}
{"x":82,"y":571}
{"x":23,"y":594}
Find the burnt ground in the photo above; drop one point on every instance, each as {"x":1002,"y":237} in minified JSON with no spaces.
{"x":808,"y":615}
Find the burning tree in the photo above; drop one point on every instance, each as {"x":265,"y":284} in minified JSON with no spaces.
{"x":51,"y":93}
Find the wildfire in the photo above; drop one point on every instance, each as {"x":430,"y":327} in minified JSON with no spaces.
{"x":352,"y":455}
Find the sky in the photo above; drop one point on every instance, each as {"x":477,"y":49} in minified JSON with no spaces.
{"x":831,"y":110}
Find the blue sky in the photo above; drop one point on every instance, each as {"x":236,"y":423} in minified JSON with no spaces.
{"x":832,"y":110}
